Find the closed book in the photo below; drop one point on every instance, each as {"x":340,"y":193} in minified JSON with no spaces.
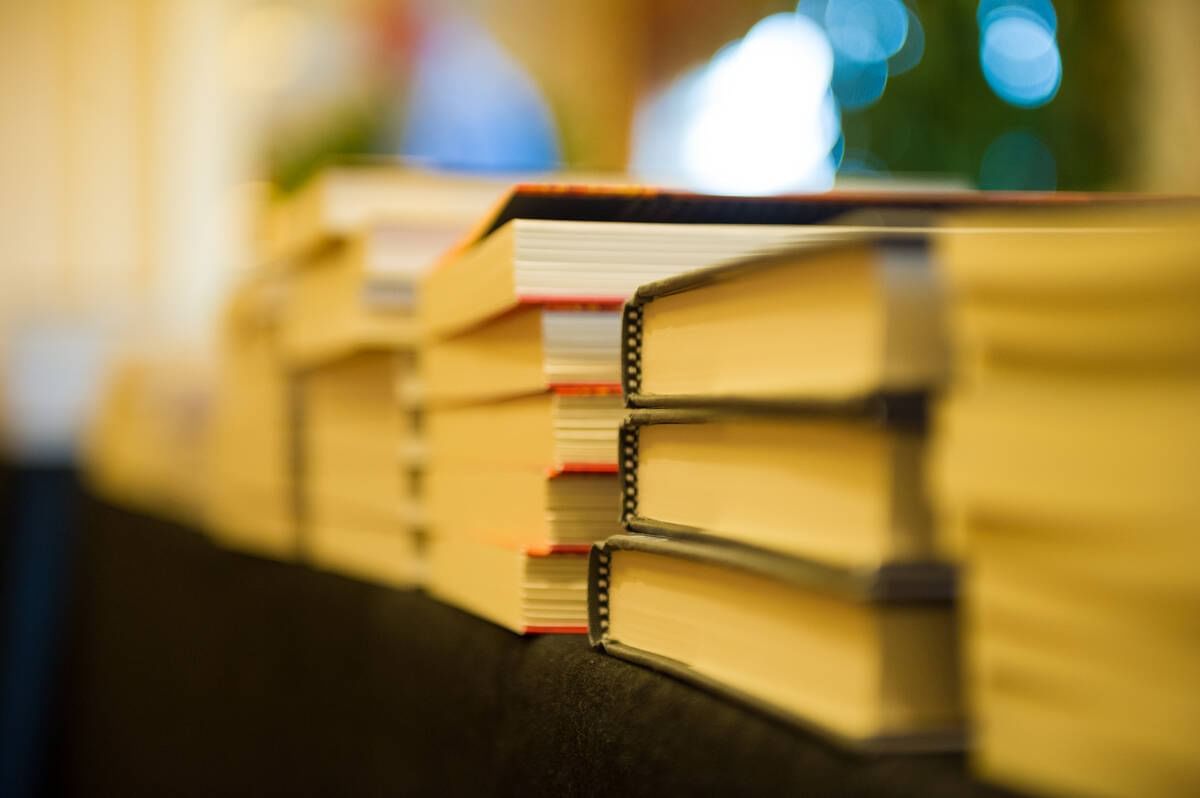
{"x":529,"y":590}
{"x":832,"y":324}
{"x":579,"y":243}
{"x":352,"y":498}
{"x":868,"y":659}
{"x":348,"y":197}
{"x":532,"y":349}
{"x":341,"y":300}
{"x":521,"y":506}
{"x":838,"y":485}
{"x":857,"y":315}
{"x":568,"y":429}
{"x":250,"y":503}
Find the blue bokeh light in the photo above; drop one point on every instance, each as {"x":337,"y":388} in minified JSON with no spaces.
{"x":1042,"y":10}
{"x":913,"y":50}
{"x":872,"y":40}
{"x":813,"y":9}
{"x":1019,"y":56}
{"x":472,"y":107}
{"x":866,"y":30}
{"x":858,"y":84}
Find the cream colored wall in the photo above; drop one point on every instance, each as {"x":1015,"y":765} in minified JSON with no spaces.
{"x":121,"y":141}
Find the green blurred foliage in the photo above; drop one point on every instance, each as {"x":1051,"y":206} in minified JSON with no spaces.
{"x":941,"y":116}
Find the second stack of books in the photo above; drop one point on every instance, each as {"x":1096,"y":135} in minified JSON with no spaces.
{"x":1066,"y":470}
{"x":780,"y":548}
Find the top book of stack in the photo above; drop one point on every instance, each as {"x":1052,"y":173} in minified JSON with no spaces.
{"x":345,"y":199}
{"x":535,"y":251}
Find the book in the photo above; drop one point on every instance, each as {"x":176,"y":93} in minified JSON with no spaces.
{"x":351,"y":484}
{"x":1061,"y":454}
{"x":251,"y":465}
{"x":369,"y":553}
{"x":532,"y":349}
{"x":339,"y":302}
{"x":540,"y":261}
{"x":533,"y":590}
{"x":842,"y":489}
{"x":833,"y":323}
{"x":564,"y":430}
{"x":145,"y":444}
{"x":350,"y":247}
{"x":355,"y":241}
{"x":856,"y":317}
{"x":866,"y":661}
{"x":345,"y":198}
{"x":520,"y":506}
{"x":579,"y":243}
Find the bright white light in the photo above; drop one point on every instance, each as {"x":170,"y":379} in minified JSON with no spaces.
{"x":764,"y":121}
{"x":792,"y":49}
{"x":1020,"y":57}
{"x":660,"y":125}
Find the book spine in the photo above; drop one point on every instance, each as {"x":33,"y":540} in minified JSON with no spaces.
{"x":598,"y":576}
{"x":627,"y":467}
{"x":631,"y":349}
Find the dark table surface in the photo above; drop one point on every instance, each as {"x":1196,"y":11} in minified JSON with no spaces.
{"x":191,"y":670}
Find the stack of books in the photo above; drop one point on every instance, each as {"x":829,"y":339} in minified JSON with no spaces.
{"x":780,"y":546}
{"x":1067,"y":456}
{"x":249,"y":457}
{"x":353,"y":245}
{"x":521,"y":376}
{"x":145,"y":445}
{"x":352,"y":494}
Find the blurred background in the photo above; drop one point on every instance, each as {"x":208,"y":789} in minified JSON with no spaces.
{"x":138,"y":134}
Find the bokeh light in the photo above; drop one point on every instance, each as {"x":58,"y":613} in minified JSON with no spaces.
{"x":472,"y":107}
{"x":764,"y":123}
{"x":1042,"y":10}
{"x":866,"y":30}
{"x":858,"y":84}
{"x":757,"y":119}
{"x":660,"y":124}
{"x":910,"y":54}
{"x":1018,"y":52}
{"x":872,"y":40}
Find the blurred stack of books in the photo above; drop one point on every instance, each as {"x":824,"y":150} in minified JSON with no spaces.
{"x":249,"y":460}
{"x":346,"y":253}
{"x":1066,"y":467}
{"x":146,"y":446}
{"x":781,"y":549}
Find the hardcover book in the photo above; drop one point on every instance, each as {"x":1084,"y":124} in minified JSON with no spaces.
{"x":529,"y":590}
{"x":841,"y":488}
{"x":867,"y":659}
